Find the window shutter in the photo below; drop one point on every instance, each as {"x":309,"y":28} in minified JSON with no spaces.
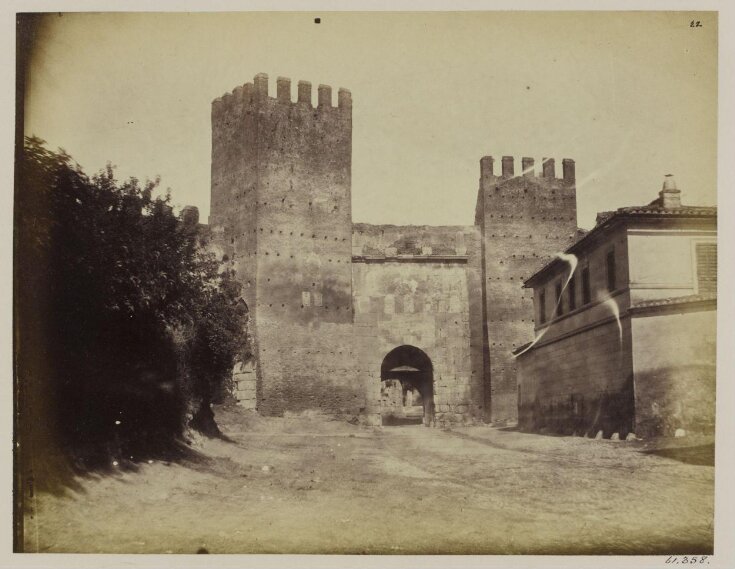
{"x":706,"y":267}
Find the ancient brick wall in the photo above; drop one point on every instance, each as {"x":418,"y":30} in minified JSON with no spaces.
{"x":420,"y":286}
{"x":674,"y":364}
{"x":281,"y":217}
{"x":281,"y":179}
{"x":245,"y":385}
{"x":579,"y":383}
{"x":234,"y":185}
{"x":524,"y":220}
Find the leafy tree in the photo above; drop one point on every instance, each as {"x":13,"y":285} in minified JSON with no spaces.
{"x":124,"y":325}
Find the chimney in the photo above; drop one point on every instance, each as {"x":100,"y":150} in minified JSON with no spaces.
{"x":670,"y":195}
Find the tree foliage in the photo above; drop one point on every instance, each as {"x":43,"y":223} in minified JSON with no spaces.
{"x":135,"y":325}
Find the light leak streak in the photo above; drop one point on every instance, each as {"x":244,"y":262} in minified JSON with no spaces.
{"x":615,"y":309}
{"x":530,"y":170}
{"x":572,"y":261}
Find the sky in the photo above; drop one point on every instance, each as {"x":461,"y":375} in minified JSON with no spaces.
{"x":630,"y":96}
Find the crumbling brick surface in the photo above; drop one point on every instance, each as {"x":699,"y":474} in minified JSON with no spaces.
{"x":329,"y":299}
{"x":281,"y":207}
{"x":524,"y":221}
{"x":425,"y":305}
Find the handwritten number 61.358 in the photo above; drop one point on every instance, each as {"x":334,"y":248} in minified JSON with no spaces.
{"x":687,"y":559}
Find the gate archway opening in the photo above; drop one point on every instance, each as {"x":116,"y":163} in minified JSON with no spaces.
{"x":407,"y":390}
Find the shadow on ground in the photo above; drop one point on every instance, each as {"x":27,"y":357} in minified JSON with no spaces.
{"x":509,"y":429}
{"x":56,"y":471}
{"x":701,"y":455}
{"x":393,"y":421}
{"x":308,"y":484}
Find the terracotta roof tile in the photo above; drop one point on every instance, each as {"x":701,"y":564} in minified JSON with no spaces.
{"x":652,"y":209}
{"x":672,"y":301}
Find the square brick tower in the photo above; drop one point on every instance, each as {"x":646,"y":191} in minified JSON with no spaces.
{"x":524,"y":220}
{"x":281,"y":211}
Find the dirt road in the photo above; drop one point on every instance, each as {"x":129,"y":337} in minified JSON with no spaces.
{"x":309,"y":485}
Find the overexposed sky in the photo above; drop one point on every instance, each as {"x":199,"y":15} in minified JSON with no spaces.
{"x":631,"y":96}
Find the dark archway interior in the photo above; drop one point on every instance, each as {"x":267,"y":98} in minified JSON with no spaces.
{"x":409,"y":369}
{"x":405,"y":356}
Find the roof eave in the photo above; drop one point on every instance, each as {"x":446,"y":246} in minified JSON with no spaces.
{"x":615,"y":219}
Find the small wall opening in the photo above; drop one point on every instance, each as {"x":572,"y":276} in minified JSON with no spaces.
{"x":407,"y":391}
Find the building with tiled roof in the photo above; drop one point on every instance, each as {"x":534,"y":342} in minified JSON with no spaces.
{"x":625,"y":326}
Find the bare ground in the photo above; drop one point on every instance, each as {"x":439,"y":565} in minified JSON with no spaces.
{"x":310,"y":485}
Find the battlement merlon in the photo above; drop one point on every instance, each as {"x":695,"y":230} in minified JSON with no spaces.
{"x":325,"y":96}
{"x":257,"y":91}
{"x":487,"y":164}
{"x":568,"y":170}
{"x":283,"y":89}
{"x":527,"y":167}
{"x":548,"y":169}
{"x":242,"y":95}
{"x":507,"y":167}
{"x":260,"y":81}
{"x":548,"y":166}
{"x":344,"y":99}
{"x":304,"y":95}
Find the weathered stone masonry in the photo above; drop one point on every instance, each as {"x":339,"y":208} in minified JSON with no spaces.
{"x":281,"y":205}
{"x":523,"y":221}
{"x":420,"y":286}
{"x":329,"y":299}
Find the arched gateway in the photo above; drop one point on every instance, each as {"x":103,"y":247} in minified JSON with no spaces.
{"x":407,"y":392}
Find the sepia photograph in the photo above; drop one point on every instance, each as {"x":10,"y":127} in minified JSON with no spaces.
{"x":366,"y":283}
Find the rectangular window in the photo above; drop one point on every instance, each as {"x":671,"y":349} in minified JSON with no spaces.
{"x":572,"y":286}
{"x":305,"y":298}
{"x":559,"y":309}
{"x":611,"y":271}
{"x":586,"y":292}
{"x":542,"y":307}
{"x":706,"y":267}
{"x":317,"y":298}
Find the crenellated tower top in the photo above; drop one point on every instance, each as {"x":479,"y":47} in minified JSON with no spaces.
{"x":548,"y":168}
{"x":257,"y":92}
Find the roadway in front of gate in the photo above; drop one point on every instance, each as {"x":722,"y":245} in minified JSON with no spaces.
{"x":307,"y":484}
